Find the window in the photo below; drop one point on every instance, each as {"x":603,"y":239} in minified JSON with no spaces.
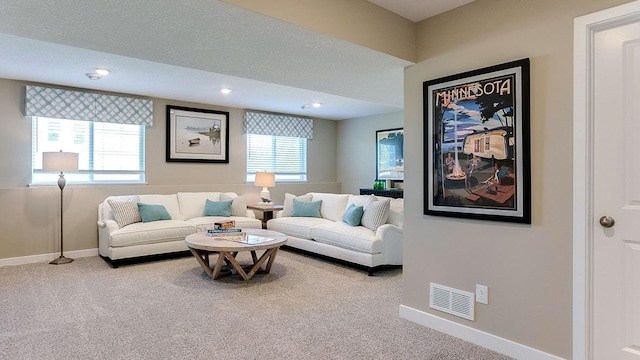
{"x":283,"y":155}
{"x":108,"y":152}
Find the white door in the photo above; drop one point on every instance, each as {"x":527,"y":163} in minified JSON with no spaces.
{"x":615,"y":225}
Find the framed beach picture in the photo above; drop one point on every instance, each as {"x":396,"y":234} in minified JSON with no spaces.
{"x":477,"y":144}
{"x":390,"y":154}
{"x":197,"y":135}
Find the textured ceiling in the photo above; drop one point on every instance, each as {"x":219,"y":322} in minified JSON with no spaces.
{"x":168,"y":50}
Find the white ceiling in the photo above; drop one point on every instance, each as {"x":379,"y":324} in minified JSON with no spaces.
{"x":168,"y":50}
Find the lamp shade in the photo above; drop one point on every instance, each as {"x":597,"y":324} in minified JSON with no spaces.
{"x":265,"y":179}
{"x":59,"y":161}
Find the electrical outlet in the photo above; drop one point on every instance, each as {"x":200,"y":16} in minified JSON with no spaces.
{"x":482,"y":294}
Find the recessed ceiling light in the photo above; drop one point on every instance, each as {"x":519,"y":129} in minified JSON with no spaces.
{"x":316,"y":104}
{"x":102,"y":72}
{"x":225,"y":91}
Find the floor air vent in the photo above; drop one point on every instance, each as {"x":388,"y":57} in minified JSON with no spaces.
{"x":452,"y":301}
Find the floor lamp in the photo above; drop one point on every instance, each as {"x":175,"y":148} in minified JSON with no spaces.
{"x":60,"y":161}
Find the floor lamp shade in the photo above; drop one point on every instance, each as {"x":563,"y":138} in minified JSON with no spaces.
{"x":60,"y":161}
{"x":266,"y":180}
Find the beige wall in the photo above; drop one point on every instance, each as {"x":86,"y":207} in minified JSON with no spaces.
{"x":356,"y":21}
{"x":29,"y":215}
{"x":527,"y":267}
{"x":356,"y":160}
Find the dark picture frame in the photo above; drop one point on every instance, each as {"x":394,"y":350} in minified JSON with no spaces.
{"x":390,"y":154}
{"x":197,"y":135}
{"x":477,"y":144}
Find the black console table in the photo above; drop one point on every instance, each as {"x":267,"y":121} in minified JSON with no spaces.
{"x":392,"y":193}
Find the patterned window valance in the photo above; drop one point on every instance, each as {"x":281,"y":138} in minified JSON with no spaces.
{"x":277,"y":125}
{"x":78,"y":105}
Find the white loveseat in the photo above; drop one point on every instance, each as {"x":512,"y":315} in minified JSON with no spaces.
{"x":186,"y":209}
{"x":376,"y":246}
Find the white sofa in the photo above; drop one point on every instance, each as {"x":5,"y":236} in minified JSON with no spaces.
{"x":329,"y":236}
{"x":163,"y":236}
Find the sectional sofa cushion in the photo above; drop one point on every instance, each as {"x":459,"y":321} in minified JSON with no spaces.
{"x":306,"y":208}
{"x":339,"y":234}
{"x":151,"y":233}
{"x":153,"y":212}
{"x":125,"y":212}
{"x":376,"y":213}
{"x":353,"y":215}
{"x":288,"y":202}
{"x":299,"y":227}
{"x":333,"y":205}
{"x":217,"y":208}
{"x":192,"y":203}
{"x":360,"y":200}
{"x":396,"y":212}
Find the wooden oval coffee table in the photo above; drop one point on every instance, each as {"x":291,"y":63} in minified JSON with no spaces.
{"x":201,"y":245}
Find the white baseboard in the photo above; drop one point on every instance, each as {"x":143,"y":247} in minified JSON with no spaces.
{"x":47,"y":257}
{"x":489,"y":341}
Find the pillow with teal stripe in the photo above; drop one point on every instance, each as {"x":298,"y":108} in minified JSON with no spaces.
{"x":306,"y":208}
{"x":353,"y":215}
{"x":153,"y":212}
{"x":217,"y":208}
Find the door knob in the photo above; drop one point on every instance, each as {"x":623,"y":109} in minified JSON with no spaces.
{"x":607,"y":221}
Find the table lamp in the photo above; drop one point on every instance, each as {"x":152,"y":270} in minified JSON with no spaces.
{"x":60,"y":161}
{"x":266,"y":180}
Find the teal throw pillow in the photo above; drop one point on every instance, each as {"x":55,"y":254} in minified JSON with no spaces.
{"x":217,"y":208}
{"x":153,"y":212}
{"x":306,"y":208}
{"x":353,"y":215}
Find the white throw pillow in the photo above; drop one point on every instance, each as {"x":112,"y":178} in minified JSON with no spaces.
{"x":239,"y":205}
{"x":333,"y":205}
{"x":396,"y":212}
{"x":376,"y":214}
{"x":287,"y":210}
{"x":125,"y":212}
{"x":360,"y":200}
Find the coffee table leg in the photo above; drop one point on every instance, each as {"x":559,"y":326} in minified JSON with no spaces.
{"x":230,"y":259}
{"x":201,"y":257}
{"x":236,"y":265}
{"x":268,"y":254}
{"x":271,"y":259}
{"x":215,"y":275}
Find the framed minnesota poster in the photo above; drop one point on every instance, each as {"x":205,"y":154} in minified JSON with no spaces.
{"x":477,"y":144}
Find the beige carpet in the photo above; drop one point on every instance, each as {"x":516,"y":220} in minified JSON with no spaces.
{"x":306,"y":308}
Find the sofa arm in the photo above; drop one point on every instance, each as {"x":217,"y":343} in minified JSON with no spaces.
{"x":392,"y":236}
{"x":110,"y":225}
{"x":251,"y":214}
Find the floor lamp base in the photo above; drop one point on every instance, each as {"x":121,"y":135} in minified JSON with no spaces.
{"x":61,"y":260}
